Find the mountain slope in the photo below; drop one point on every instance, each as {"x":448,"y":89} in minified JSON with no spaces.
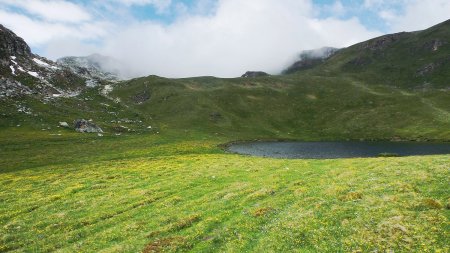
{"x":304,"y":107}
{"x":411,"y":60}
{"x":38,"y":93}
{"x":334,"y":100}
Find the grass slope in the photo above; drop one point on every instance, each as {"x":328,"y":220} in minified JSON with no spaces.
{"x":415,"y":60}
{"x":153,"y":193}
{"x":296,"y":107}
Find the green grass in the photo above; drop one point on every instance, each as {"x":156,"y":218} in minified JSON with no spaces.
{"x":306,"y":107}
{"x":182,"y":193}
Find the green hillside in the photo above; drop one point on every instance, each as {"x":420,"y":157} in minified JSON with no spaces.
{"x":412,"y":60}
{"x":295,"y":106}
{"x":368,"y":91}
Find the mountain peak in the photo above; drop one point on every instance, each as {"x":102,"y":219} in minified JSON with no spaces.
{"x":12,"y":45}
{"x":94,"y":65}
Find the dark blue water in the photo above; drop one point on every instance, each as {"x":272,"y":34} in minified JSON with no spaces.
{"x":337,"y":149}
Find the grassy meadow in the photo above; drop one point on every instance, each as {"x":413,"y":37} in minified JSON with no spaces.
{"x":154,"y":193}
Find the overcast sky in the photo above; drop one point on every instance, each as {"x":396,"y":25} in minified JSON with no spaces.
{"x":180,"y":38}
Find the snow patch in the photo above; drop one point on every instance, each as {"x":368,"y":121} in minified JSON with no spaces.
{"x":13,"y":57}
{"x":13,"y":70}
{"x":42,"y":63}
{"x":14,"y":62}
{"x":32,"y":73}
{"x":20,"y":68}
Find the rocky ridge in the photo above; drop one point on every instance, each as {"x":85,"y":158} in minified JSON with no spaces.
{"x":93,"y":67}
{"x":24,"y":73}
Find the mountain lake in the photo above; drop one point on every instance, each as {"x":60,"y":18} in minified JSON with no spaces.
{"x":336,"y":149}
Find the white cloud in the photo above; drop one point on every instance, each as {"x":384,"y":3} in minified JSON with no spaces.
{"x":241,"y":35}
{"x":37,"y":32}
{"x":417,"y":15}
{"x":233,"y":37}
{"x":51,"y":10}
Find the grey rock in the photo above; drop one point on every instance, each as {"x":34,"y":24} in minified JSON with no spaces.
{"x":63,"y":124}
{"x":433,"y":45}
{"x":254,"y":74}
{"x":382,"y":41}
{"x":84,"y":126}
{"x":427,"y":69}
{"x":12,"y":45}
{"x":12,"y":88}
{"x":141,"y":97}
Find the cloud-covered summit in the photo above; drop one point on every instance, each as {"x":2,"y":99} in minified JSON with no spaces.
{"x":179,"y":38}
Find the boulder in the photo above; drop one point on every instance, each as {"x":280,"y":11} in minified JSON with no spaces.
{"x":252,"y":74}
{"x":84,"y":126}
{"x":63,"y":124}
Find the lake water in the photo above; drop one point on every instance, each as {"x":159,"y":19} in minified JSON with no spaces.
{"x":337,"y":149}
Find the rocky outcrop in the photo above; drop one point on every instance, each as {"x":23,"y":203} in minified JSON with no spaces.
{"x":86,"y":126}
{"x":10,"y":88}
{"x":94,"y":66}
{"x":383,"y":41}
{"x":433,"y":45}
{"x":12,"y":45}
{"x":252,"y":74}
{"x":141,"y":97}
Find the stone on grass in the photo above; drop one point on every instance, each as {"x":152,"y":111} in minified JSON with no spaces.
{"x":84,"y":126}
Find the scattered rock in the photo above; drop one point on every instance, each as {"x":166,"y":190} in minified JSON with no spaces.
{"x":141,"y":97}
{"x":427,"y":69}
{"x":433,"y":45}
{"x":252,"y":74}
{"x":84,"y":126}
{"x":12,"y":88}
{"x":63,"y":124}
{"x":383,"y":41}
{"x":120,"y":129}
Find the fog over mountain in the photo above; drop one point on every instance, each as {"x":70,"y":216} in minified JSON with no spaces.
{"x":209,"y":37}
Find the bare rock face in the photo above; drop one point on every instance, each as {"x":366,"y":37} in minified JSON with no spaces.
{"x":383,"y":41}
{"x":141,"y":97}
{"x":94,"y":66}
{"x":427,"y":69}
{"x":254,"y":74}
{"x":85,"y":126}
{"x":433,"y":45}
{"x":12,"y":88}
{"x":11,"y":44}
